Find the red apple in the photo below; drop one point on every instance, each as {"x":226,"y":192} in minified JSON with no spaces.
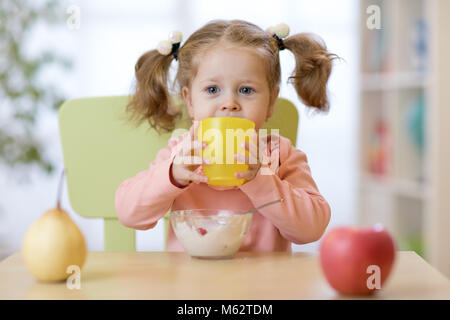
{"x":355,"y":260}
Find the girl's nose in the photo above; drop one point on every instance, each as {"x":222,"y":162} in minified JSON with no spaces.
{"x":230,"y":107}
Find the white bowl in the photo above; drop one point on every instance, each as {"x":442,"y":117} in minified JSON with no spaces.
{"x":210,"y":233}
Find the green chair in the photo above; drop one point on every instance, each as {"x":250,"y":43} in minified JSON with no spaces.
{"x":101,"y":150}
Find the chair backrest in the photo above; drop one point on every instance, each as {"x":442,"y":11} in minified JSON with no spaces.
{"x":101,"y":150}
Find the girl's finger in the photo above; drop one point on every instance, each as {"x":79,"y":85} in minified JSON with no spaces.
{"x":189,"y":146}
{"x":244,"y":174}
{"x":253,"y":150}
{"x":184,"y":160}
{"x":192,"y":160}
{"x":253,"y":141}
{"x":191,"y":176}
{"x":245,"y":159}
{"x":239,"y":158}
{"x":266,"y":147}
{"x":274,"y":138}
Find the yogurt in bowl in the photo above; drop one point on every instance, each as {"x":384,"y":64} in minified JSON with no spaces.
{"x":210,"y":233}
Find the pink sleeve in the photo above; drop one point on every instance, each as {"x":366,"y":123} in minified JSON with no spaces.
{"x":304,"y":214}
{"x":142,"y":200}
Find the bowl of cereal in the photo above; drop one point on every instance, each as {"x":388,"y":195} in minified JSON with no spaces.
{"x":212,"y":233}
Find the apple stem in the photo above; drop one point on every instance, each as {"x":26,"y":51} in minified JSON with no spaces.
{"x":58,"y":203}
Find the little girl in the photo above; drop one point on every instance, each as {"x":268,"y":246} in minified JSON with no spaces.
{"x":229,"y":68}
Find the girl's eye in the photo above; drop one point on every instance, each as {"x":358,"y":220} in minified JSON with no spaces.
{"x":211,"y":91}
{"x":248,"y":90}
{"x":244,"y":90}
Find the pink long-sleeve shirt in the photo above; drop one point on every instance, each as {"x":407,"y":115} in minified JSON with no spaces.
{"x":141,"y":201}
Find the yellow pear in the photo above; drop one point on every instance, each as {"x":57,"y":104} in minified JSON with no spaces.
{"x":52,"y":244}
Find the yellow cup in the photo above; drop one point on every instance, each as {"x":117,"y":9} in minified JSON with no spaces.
{"x":224,"y":136}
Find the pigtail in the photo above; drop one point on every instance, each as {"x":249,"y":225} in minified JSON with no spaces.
{"x":151,"y":100}
{"x":312,"y":70}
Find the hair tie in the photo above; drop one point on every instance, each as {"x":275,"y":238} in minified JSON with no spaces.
{"x":280,"y":42}
{"x":279,"y":32}
{"x":172,"y":45}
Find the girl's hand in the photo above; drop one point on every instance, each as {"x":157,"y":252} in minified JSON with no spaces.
{"x":185,"y":163}
{"x":267,"y":144}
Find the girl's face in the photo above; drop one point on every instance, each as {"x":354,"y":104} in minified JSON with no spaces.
{"x":231,"y":82}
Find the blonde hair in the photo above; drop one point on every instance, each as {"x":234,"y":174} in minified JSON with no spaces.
{"x":152,"y":101}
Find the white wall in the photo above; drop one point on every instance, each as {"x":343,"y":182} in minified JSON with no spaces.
{"x":111,"y":37}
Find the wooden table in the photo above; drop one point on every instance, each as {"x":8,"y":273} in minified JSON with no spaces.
{"x":169,"y":275}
